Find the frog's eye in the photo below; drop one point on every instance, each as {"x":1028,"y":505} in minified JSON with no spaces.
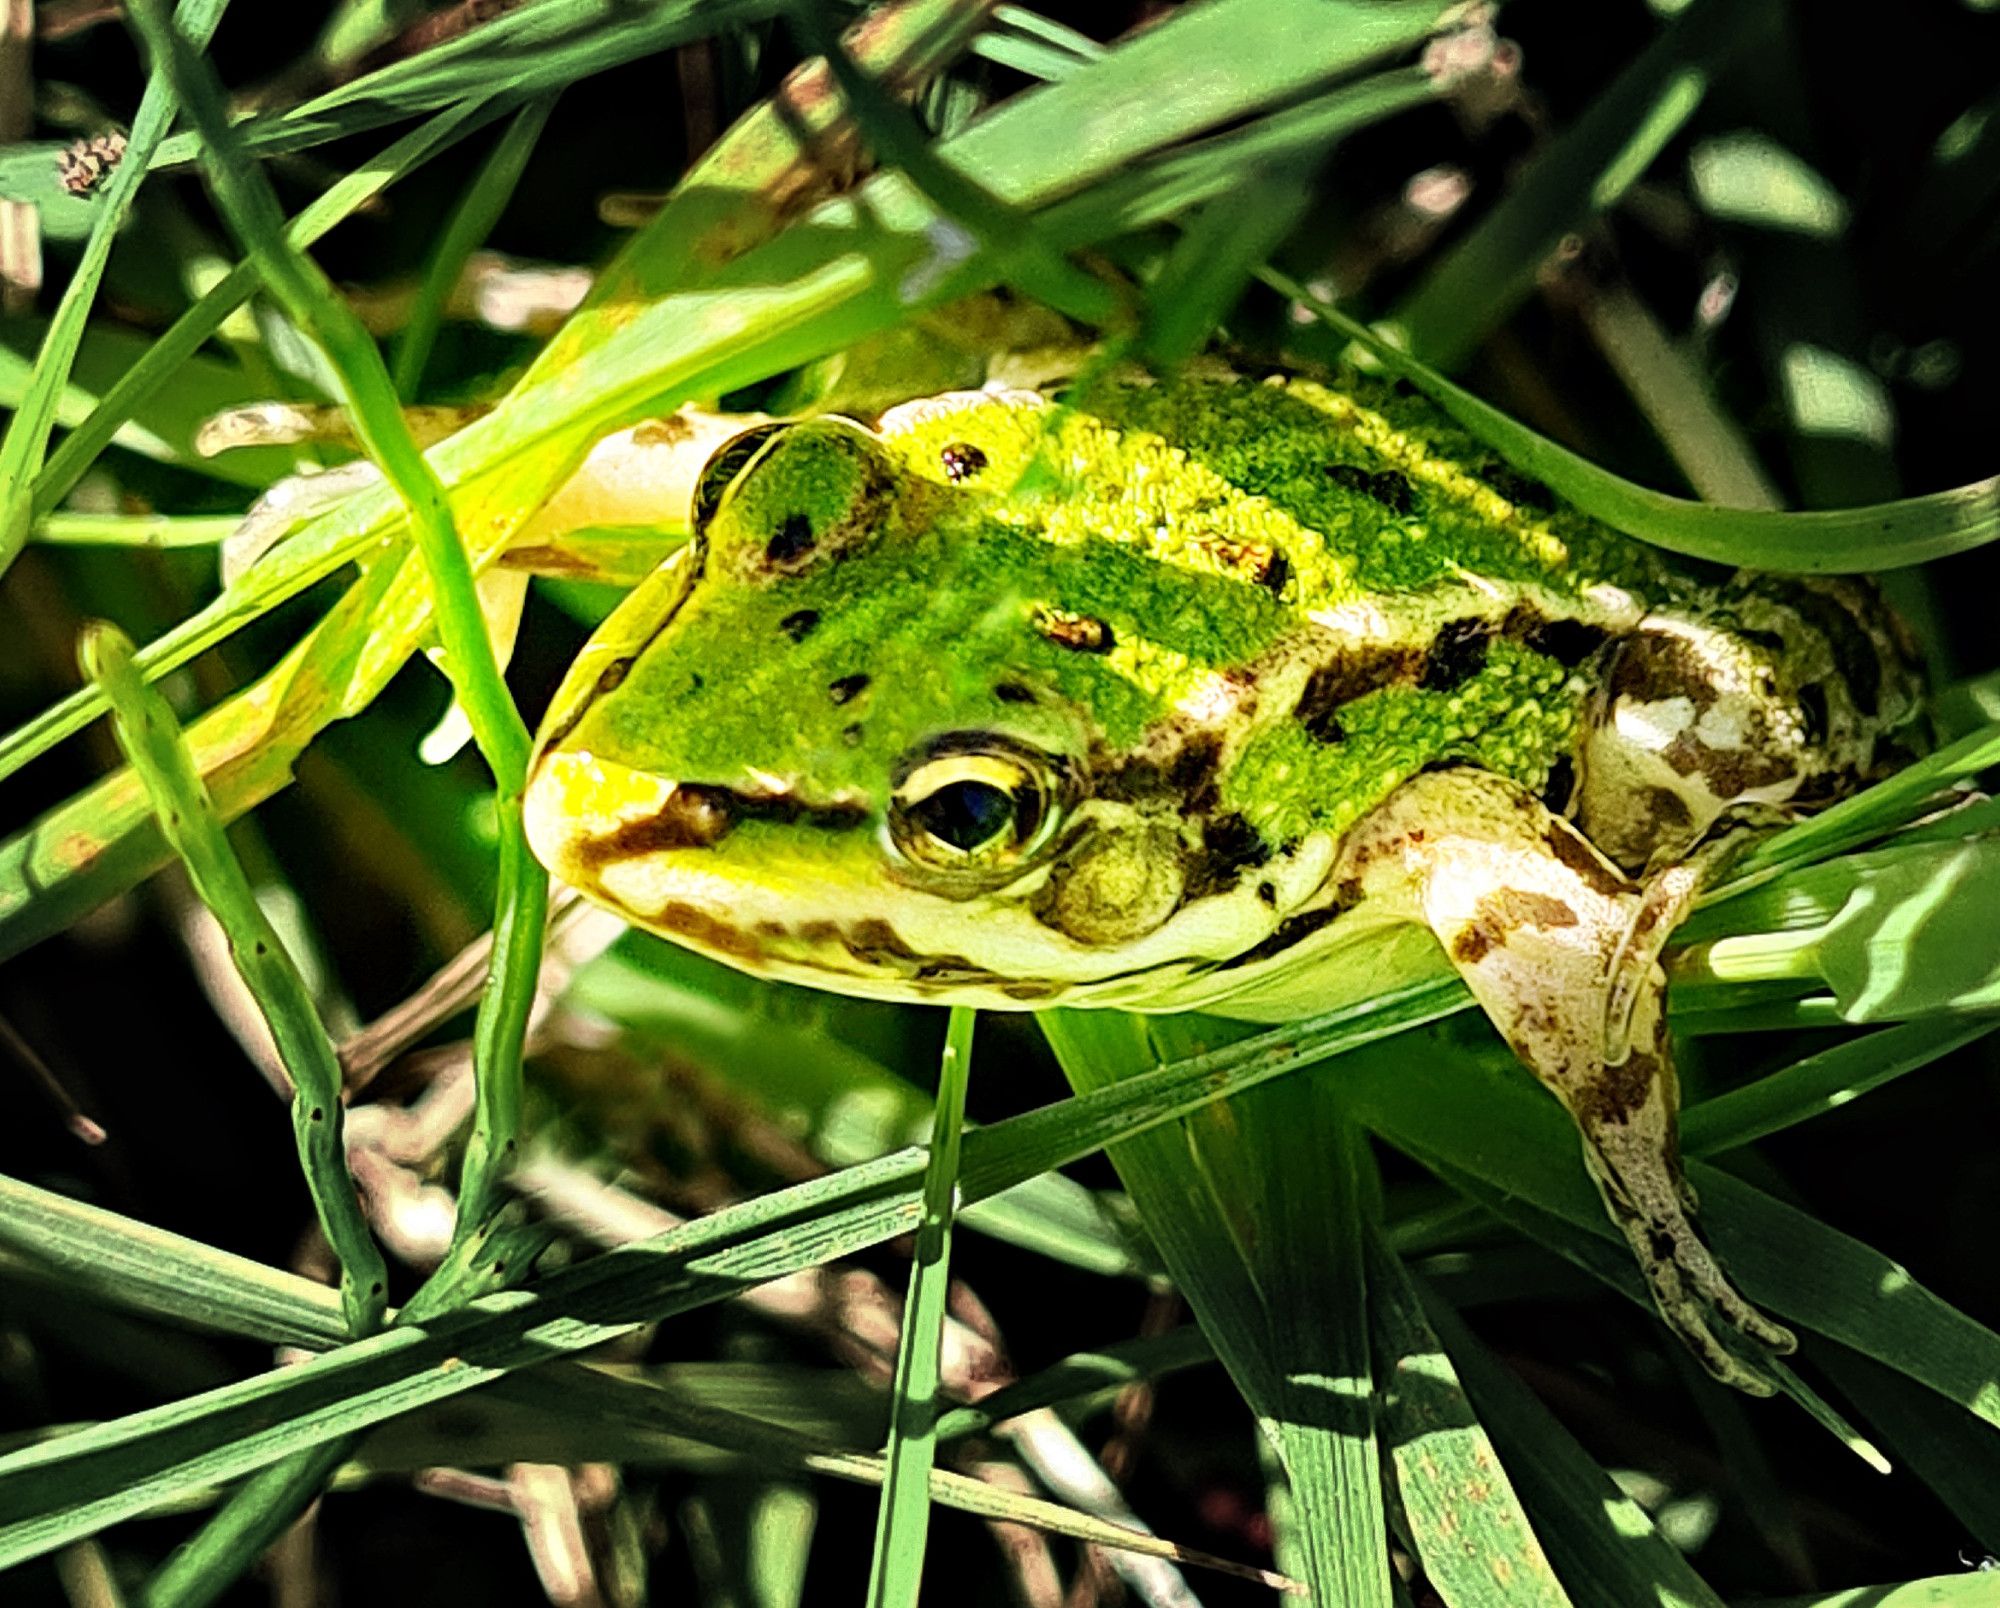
{"x":782,"y":497}
{"x":975,"y":805}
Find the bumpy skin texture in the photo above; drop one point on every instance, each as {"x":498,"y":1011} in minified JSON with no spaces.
{"x":1212,"y":693}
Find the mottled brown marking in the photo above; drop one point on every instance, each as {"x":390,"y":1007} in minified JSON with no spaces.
{"x":1080,"y":633}
{"x":1289,"y":932}
{"x":1653,"y":667}
{"x":1731,"y":772}
{"x":698,"y":927}
{"x":1505,"y":911}
{"x":1185,"y":775}
{"x":698,"y":816}
{"x":1615,"y":1094}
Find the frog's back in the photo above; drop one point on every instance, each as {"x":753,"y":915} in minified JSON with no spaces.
{"x":1368,"y":590}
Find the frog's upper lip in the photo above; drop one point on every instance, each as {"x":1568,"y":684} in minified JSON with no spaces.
{"x":669,"y":817}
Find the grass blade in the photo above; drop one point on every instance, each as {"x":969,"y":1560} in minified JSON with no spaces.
{"x":902,"y":1521}
{"x":151,"y":740}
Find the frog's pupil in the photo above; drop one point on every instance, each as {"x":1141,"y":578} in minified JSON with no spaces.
{"x":965,"y":815}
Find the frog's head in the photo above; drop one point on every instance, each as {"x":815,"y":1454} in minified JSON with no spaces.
{"x":873,"y":729}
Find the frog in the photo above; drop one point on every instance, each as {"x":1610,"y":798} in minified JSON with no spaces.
{"x":1220,"y":692}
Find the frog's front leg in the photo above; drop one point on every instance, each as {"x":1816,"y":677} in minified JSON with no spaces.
{"x":1560,"y":949}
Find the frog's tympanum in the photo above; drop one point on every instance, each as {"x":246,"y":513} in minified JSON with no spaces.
{"x":1212,"y":694}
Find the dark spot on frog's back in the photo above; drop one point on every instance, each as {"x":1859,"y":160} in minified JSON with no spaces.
{"x":1080,"y":633}
{"x":1523,"y":491}
{"x":961,"y":461}
{"x":791,"y":541}
{"x":1568,"y":642}
{"x":1393,"y":491}
{"x":1013,"y":692}
{"x":848,"y":688}
{"x":1352,"y":675}
{"x":798,"y":625}
{"x":1457,"y":654}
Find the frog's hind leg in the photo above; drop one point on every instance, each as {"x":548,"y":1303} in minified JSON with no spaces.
{"x":1560,"y":949}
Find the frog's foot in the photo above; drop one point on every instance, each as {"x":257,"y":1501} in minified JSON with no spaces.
{"x":1561,"y":950}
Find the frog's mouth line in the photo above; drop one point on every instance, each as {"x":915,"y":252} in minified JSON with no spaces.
{"x":699,"y":815}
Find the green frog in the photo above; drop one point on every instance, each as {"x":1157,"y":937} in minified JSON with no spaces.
{"x":1241,"y":695}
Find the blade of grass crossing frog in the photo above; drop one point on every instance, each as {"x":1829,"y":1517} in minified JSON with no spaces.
{"x":902,"y":1520}
{"x":1256,"y":1207}
{"x":64,"y":1489}
{"x":1881,"y":536}
{"x":1489,"y":1125}
{"x":1578,"y":175}
{"x":34,"y":417}
{"x":151,"y":740}
{"x":1599,"y":1540}
{"x":471,"y":222}
{"x":498,"y":482}
{"x":1476,"y":1545}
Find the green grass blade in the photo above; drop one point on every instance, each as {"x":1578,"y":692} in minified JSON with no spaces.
{"x":902,"y":1521}
{"x":108,"y":1258}
{"x":1602,"y":1544}
{"x":470,"y":223}
{"x":1821,"y":1082}
{"x":1476,"y":1545}
{"x":27,"y":435}
{"x":151,"y":740}
{"x":1881,"y":536}
{"x":1257,"y":1209}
